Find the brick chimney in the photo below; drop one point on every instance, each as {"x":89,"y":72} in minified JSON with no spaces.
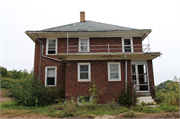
{"x":82,"y":16}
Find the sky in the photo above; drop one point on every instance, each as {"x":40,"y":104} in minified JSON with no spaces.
{"x":162,"y":16}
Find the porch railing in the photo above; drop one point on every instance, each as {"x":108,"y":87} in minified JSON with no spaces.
{"x":108,"y":48}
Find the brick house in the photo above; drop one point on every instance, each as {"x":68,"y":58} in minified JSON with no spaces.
{"x":73,"y":55}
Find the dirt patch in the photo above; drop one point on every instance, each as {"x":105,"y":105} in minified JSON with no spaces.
{"x":172,"y":115}
{"x":161,"y":115}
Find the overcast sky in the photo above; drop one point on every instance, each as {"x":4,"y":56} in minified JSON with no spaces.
{"x":162,"y":16}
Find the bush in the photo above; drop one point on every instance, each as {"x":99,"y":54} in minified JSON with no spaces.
{"x":129,"y":98}
{"x":32,"y":92}
{"x":7,"y":82}
{"x":4,"y":71}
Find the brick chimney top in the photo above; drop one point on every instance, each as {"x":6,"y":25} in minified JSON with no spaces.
{"x":82,"y":16}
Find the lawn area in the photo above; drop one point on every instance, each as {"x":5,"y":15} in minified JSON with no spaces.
{"x":10,"y":109}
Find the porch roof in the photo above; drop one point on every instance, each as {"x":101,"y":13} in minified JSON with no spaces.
{"x":109,"y":56}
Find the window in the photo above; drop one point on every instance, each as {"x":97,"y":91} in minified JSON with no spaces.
{"x":83,"y":45}
{"x":127,"y":45}
{"x":50,"y":76}
{"x":114,"y":71}
{"x":51,"y":47}
{"x":84,"y":72}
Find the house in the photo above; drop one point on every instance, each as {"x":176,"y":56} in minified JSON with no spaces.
{"x":73,"y":55}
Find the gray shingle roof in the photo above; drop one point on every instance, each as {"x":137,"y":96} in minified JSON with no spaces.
{"x":89,"y":26}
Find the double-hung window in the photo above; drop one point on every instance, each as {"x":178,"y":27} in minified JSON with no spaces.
{"x":50,"y":76}
{"x":84,"y":45}
{"x":114,"y":71}
{"x":51,"y":47}
{"x":127,"y":45}
{"x":84,"y":72}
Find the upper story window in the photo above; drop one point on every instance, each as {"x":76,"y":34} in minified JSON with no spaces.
{"x":114,"y":71}
{"x":84,"y":72}
{"x":83,"y":44}
{"x":127,"y":45}
{"x":51,"y":46}
{"x":50,"y":76}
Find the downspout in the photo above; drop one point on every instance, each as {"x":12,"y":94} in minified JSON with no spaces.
{"x":125,"y":74}
{"x":41,"y":53}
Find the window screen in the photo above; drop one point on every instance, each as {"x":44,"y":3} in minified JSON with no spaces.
{"x":51,"y":46}
{"x":84,"y":45}
{"x":50,"y":76}
{"x":83,"y":71}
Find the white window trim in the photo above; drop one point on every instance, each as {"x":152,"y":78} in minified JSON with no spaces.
{"x":80,"y":44}
{"x":47,"y":41}
{"x":131,"y":43}
{"x":119,"y":65}
{"x":89,"y":72}
{"x":46,"y":76}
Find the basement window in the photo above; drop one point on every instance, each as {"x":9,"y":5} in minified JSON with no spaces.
{"x":51,"y":47}
{"x":114,"y":71}
{"x":84,"y":99}
{"x":50,"y":76}
{"x":84,"y":72}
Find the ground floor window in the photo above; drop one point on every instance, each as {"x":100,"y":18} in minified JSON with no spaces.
{"x":84,"y":72}
{"x":50,"y":76}
{"x":114,"y":71}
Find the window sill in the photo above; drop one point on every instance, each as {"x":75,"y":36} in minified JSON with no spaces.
{"x":84,"y":80}
{"x":50,"y":86}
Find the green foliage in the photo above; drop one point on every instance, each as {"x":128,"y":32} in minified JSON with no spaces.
{"x":150,"y":110}
{"x":7,"y":82}
{"x":168,"y":92}
{"x":32,"y":92}
{"x":72,"y":109}
{"x":94,"y":91}
{"x":15,"y":74}
{"x":166,"y":108}
{"x":129,"y":98}
{"x":4,"y":72}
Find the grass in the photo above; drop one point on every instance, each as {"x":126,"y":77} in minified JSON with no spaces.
{"x":69,"y":110}
{"x":11,"y":109}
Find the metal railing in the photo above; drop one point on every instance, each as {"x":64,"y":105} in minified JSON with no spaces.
{"x":109,"y":48}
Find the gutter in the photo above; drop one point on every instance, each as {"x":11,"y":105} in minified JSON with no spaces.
{"x":125,"y":74}
{"x":41,"y":54}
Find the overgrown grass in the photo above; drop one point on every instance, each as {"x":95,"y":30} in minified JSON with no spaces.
{"x":66,"y":110}
{"x":71,"y":109}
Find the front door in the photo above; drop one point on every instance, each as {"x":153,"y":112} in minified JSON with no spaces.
{"x":140,"y":77}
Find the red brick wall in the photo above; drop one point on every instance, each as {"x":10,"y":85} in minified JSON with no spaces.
{"x":105,"y":41}
{"x":137,"y":44}
{"x":99,"y":73}
{"x":151,"y":76}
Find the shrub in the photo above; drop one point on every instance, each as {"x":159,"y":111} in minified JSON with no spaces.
{"x":4,"y":71}
{"x":32,"y":92}
{"x":129,"y":98}
{"x":7,"y":82}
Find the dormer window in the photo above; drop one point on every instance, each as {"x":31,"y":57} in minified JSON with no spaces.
{"x":83,"y":44}
{"x":127,"y":45}
{"x":51,"y":46}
